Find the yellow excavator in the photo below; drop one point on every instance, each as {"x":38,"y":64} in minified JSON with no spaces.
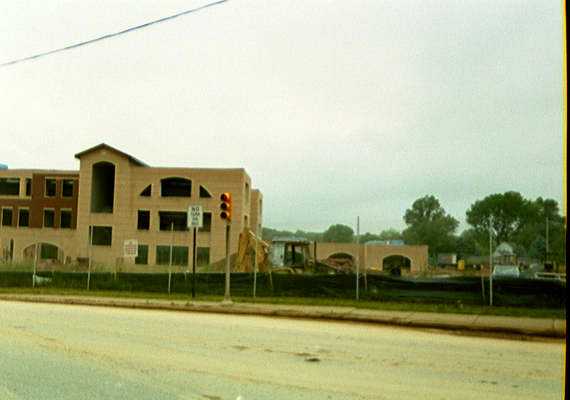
{"x":253,"y":253}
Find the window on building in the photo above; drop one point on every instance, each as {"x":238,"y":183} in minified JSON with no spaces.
{"x":102,"y":236}
{"x":28,"y":187}
{"x":102,"y":187}
{"x":147,"y":191}
{"x":48,"y":251}
{"x":65,"y":219}
{"x":142,"y":258}
{"x":174,"y":220}
{"x":23,"y":217}
{"x":67,"y":188}
{"x":247,"y":193}
{"x":179,"y":255}
{"x":206,"y":222}
{"x":9,"y":186}
{"x":49,"y":218}
{"x":143,"y":220}
{"x":204,"y":193}
{"x":202,"y":256}
{"x":175,"y":187}
{"x":51,"y":186}
{"x":7,"y":215}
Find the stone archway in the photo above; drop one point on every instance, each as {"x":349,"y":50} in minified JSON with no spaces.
{"x":397,"y":264}
{"x":342,"y":260}
{"x":49,"y":253}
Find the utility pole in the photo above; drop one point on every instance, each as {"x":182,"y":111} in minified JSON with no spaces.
{"x":546,"y":255}
{"x":490,"y":265}
{"x":357,"y":256}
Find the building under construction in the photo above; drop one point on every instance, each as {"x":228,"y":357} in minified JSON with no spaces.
{"x":118,"y":198}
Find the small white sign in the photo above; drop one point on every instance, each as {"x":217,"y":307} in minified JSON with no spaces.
{"x":131,"y":248}
{"x":195,"y":217}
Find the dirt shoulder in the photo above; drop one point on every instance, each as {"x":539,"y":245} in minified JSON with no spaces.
{"x":473,"y":323}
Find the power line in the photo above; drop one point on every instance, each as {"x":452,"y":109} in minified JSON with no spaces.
{"x":110,"y":35}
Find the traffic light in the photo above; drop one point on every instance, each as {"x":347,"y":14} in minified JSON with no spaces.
{"x":226,"y":206}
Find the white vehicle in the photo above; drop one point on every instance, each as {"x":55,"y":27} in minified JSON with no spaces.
{"x":506,"y":271}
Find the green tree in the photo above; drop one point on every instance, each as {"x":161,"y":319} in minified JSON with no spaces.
{"x":429,"y":224}
{"x":544,"y":215}
{"x":390,"y":234}
{"x":268,"y":234}
{"x":368,"y":237}
{"x":338,"y":234}
{"x":521,"y":222}
{"x":312,"y":236}
{"x":505,"y":213}
{"x":467,"y":244}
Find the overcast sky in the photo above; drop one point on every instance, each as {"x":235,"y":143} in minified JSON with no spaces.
{"x":334,"y":108}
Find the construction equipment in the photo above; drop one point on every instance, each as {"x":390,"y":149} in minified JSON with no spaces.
{"x":250,"y":248}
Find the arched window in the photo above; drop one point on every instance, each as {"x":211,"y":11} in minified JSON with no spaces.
{"x":175,"y":187}
{"x":204,"y":193}
{"x":102,"y":187}
{"x":147,"y":191}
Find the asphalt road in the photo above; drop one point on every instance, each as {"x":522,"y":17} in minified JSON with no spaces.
{"x":74,"y":352}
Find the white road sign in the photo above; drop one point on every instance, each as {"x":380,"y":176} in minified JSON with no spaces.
{"x":195,"y":217}
{"x":131,"y":248}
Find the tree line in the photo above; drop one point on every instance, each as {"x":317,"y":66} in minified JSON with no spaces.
{"x":534,"y":228}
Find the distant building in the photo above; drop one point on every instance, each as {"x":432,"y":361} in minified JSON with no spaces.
{"x":390,"y":242}
{"x":504,"y":255}
{"x":444,"y":259}
{"x":118,"y":197}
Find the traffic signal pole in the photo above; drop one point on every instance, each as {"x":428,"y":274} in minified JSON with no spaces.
{"x":227,"y":297}
{"x":226,"y":215}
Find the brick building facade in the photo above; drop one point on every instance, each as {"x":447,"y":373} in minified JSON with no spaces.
{"x":115,"y":197}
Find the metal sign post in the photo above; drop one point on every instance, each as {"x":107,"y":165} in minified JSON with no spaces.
{"x":170,"y":256}
{"x":90,"y":256}
{"x":195,"y":220}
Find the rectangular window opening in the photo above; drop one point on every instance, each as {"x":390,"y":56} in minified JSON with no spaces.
{"x":7,"y":216}
{"x":143,"y":220}
{"x":202,"y":256}
{"x":65,"y":219}
{"x":206,"y":222}
{"x":142,"y":258}
{"x":9,"y":186}
{"x":174,"y":220}
{"x":67,"y":188}
{"x":49,"y":218}
{"x":28,"y":187}
{"x":23,"y":217}
{"x":102,"y":236}
{"x":179,"y":255}
{"x":51,"y":186}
